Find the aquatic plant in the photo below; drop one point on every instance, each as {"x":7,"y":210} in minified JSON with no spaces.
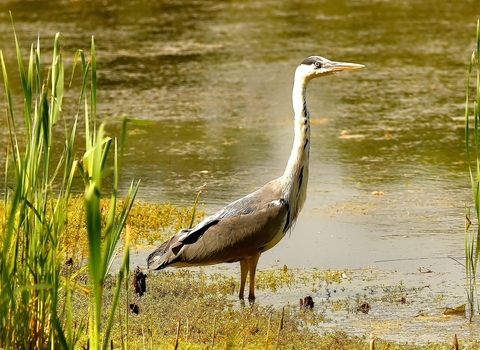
{"x":35,"y":291}
{"x":30,"y":256}
{"x":102,"y":237}
{"x":472,"y":237}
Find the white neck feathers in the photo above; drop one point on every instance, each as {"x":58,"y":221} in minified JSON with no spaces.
{"x":294,"y":180}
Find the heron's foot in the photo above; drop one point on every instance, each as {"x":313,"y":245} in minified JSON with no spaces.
{"x":251,"y":299}
{"x":251,"y":302}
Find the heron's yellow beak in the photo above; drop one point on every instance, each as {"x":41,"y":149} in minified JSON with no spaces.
{"x":336,"y":67}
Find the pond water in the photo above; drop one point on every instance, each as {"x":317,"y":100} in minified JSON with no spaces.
{"x":216,"y":77}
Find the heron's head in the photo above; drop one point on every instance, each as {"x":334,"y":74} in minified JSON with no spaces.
{"x":317,"y":66}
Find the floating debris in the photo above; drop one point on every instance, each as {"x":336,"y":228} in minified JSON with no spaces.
{"x":456,"y":311}
{"x":134,"y":308}
{"x":422,"y":269}
{"x":402,"y":300}
{"x":344,"y":134}
{"x":307,"y":302}
{"x":378,"y":193}
{"x":421,"y":313}
{"x":318,"y":121}
{"x":365,"y":308}
{"x":139,"y":281}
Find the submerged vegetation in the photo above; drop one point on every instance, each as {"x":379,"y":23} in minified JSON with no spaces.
{"x":193,"y":309}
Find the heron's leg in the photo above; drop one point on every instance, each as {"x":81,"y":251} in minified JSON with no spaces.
{"x":243,"y":277}
{"x":252,"y":267}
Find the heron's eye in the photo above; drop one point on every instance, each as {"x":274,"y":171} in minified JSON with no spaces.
{"x":318,"y":64}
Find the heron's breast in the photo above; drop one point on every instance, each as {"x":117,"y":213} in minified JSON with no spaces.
{"x":277,"y":238}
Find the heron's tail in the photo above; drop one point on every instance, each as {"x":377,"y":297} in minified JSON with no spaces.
{"x":155,"y":260}
{"x":165,"y":254}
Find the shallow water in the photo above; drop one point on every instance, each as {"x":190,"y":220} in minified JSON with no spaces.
{"x":216,"y":79}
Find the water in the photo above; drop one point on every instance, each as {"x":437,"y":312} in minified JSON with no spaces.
{"x":216,"y":78}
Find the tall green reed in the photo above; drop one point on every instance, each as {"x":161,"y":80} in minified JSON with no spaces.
{"x":102,"y":237}
{"x":472,"y":237}
{"x":35,"y":295}
{"x":30,"y":259}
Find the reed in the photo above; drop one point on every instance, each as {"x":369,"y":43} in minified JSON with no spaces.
{"x":472,"y":244}
{"x":35,"y":196}
{"x":102,"y":237}
{"x":35,"y":288}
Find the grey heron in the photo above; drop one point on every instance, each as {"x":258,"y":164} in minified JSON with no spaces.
{"x":247,"y":227}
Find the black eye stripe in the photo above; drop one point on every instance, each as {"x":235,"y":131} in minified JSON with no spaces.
{"x":311,"y":60}
{"x":318,"y":64}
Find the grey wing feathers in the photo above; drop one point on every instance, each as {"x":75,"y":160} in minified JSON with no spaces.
{"x":233,"y":232}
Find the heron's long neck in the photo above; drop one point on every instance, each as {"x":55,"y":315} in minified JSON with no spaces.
{"x":294,"y":180}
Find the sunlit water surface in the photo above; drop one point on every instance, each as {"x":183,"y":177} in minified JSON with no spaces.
{"x":216,"y":78}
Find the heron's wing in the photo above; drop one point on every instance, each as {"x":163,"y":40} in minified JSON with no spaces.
{"x":238,"y":230}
